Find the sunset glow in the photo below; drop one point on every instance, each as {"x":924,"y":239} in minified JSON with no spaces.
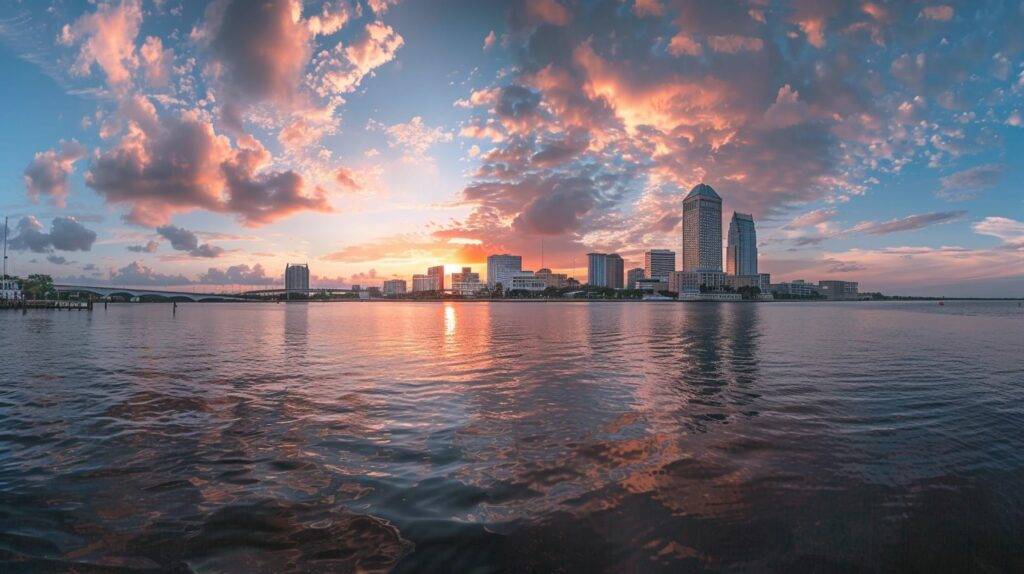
{"x":184,"y":143}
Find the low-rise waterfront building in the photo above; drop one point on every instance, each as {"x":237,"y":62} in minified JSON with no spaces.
{"x":795,"y":288}
{"x":762,"y":281}
{"x":527,"y":281}
{"x":651,"y":285}
{"x":556,"y":280}
{"x":394,"y":287}
{"x":466,"y":283}
{"x":9,"y":290}
{"x":634,"y":275}
{"x":838,"y":290}
{"x":696,"y":281}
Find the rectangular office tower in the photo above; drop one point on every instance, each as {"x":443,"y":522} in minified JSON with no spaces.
{"x":501,"y":268}
{"x":702,"y":230}
{"x":659,"y":263}
{"x":597,"y":269}
{"x":296,"y":277}
{"x":436,"y":274}
{"x":605,"y":270}
{"x":741,"y":257}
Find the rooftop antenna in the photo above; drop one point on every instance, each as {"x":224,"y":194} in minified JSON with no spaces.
{"x":5,"y":247}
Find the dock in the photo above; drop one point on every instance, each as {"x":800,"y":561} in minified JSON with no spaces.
{"x":68,"y":305}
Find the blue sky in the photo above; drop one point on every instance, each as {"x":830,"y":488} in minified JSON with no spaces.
{"x":171,"y":143}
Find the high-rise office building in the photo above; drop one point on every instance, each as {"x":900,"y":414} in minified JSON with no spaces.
{"x":659,"y":263}
{"x":702,"y":229}
{"x":616,"y":269}
{"x":296,"y":277}
{"x":394,"y":287}
{"x":597,"y":269}
{"x":422,"y":283}
{"x":634,"y":275}
{"x":500,"y":269}
{"x":741,"y":254}
{"x":605,"y":270}
{"x":437,"y":274}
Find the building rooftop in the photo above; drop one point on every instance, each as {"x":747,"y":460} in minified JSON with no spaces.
{"x":703,"y":190}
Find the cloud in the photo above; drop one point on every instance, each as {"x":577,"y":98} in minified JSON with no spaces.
{"x":66,"y":234}
{"x":135,"y":274}
{"x":346,"y":178}
{"x":262,"y":196}
{"x":941,"y":13}
{"x":342,"y":69}
{"x":546,"y":12}
{"x":164,"y":166}
{"x":414,"y":137}
{"x":184,"y":240}
{"x":57,"y":260}
{"x":967,"y":184}
{"x":156,"y":61}
{"x":787,"y":110}
{"x":648,"y":8}
{"x":682,"y":44}
{"x":237,"y":275}
{"x":1009,"y":231}
{"x":381,"y":6}
{"x":106,"y":38}
{"x":908,"y":223}
{"x":257,"y":51}
{"x":490,"y":40}
{"x":733,"y":44}
{"x":149,"y":247}
{"x":47,"y":173}
{"x":811,"y":218}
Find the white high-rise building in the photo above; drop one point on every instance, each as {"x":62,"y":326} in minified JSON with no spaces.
{"x":296,"y":277}
{"x":394,"y":287}
{"x":659,"y":263}
{"x":702,"y":229}
{"x":501,"y":268}
{"x":741,"y":257}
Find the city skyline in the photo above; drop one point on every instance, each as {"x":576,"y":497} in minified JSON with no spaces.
{"x":872,"y":142}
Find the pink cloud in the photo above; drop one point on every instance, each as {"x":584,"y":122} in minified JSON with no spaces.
{"x":548,"y":12}
{"x":733,"y":44}
{"x":47,"y":173}
{"x":682,"y":44}
{"x":165,"y":166}
{"x":106,"y":38}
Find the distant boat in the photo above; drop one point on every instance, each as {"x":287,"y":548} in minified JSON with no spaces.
{"x":941,"y":303}
{"x":657,"y":298}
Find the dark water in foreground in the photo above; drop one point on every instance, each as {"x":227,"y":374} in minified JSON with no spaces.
{"x":514,"y":437}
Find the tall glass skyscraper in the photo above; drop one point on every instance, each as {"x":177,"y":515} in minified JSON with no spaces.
{"x":741,"y":257}
{"x":702,"y":230}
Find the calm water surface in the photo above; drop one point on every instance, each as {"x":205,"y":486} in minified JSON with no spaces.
{"x":575,"y":437}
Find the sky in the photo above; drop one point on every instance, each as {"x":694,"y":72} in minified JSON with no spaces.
{"x":206,"y":145}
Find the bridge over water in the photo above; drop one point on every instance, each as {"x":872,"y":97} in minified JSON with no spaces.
{"x":256,"y":295}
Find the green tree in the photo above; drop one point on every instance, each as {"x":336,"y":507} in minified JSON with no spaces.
{"x":38,"y":286}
